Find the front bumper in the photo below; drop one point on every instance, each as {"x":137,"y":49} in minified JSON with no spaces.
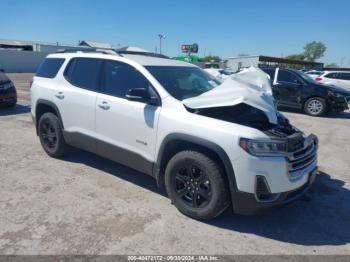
{"x":246,"y":203}
{"x":339,"y":104}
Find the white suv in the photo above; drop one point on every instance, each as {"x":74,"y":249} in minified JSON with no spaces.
{"x":210,"y":144}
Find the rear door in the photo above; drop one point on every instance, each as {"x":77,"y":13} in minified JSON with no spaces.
{"x":126,"y":130}
{"x":287,"y":88}
{"x":76,"y":98}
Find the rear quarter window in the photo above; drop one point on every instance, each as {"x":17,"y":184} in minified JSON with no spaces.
{"x":84,"y":72}
{"x":50,"y":67}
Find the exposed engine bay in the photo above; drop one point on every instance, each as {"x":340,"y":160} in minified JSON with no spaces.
{"x":249,"y":116}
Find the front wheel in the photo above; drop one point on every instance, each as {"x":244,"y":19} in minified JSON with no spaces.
{"x":196,"y":185}
{"x":315,"y":106}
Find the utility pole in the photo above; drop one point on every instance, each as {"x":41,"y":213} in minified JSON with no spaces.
{"x":161,"y":36}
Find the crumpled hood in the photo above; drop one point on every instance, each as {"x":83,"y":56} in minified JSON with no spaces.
{"x":250,"y":86}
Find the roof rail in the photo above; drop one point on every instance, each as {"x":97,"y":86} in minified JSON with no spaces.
{"x":88,"y":50}
{"x":110,"y":52}
{"x":141,"y":53}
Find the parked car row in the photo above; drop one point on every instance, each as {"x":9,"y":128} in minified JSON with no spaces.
{"x":297,"y":90}
{"x":313,"y":92}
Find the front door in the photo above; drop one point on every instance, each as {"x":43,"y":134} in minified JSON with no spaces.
{"x":126,"y":130}
{"x":287,"y":89}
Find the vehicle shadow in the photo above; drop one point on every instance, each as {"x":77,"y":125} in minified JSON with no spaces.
{"x":16,"y":110}
{"x":79,"y":156}
{"x":319,"y":218}
{"x":340,"y":115}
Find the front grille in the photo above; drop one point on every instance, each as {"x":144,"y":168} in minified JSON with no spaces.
{"x":303,"y":157}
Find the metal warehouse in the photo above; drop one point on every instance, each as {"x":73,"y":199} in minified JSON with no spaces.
{"x":236,"y":63}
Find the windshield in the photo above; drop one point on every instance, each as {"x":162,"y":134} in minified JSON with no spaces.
{"x":183,"y":82}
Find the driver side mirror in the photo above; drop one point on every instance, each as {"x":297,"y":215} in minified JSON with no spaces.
{"x":141,"y":95}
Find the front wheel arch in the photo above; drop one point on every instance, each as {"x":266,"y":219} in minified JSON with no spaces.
{"x":326,"y":104}
{"x":177,"y":142}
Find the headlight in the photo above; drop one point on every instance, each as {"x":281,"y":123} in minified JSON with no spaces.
{"x":263,"y":148}
{"x":6,"y":85}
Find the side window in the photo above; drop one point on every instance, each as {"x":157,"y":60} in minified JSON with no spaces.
{"x":83,"y":72}
{"x":50,"y":67}
{"x":285,"y":76}
{"x":331,"y":75}
{"x":344,"y":76}
{"x":119,"y":77}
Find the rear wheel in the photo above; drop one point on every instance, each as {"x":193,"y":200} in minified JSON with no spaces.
{"x":196,"y":185}
{"x":315,"y":106}
{"x":50,"y":134}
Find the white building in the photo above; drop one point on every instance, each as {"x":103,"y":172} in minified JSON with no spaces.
{"x":17,"y":56}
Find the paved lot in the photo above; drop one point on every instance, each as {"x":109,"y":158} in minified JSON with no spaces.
{"x":84,"y":204}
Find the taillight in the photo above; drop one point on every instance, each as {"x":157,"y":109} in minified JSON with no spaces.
{"x":30,"y":83}
{"x":318,"y":78}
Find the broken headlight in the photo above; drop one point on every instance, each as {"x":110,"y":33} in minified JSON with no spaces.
{"x":263,"y":148}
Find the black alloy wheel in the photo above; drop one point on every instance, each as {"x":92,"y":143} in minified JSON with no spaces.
{"x":193,"y":186}
{"x":197,"y":185}
{"x":49,"y":134}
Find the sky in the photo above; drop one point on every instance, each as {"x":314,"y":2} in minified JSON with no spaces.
{"x":225,"y":28}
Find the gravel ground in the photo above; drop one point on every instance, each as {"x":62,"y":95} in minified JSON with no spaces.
{"x":84,"y":204}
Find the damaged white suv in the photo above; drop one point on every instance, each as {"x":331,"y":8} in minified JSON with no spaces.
{"x":211,"y":144}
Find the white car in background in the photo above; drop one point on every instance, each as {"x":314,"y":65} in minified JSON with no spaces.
{"x":337,"y":78}
{"x":314,"y":73}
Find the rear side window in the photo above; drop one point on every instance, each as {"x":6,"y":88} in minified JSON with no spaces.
{"x":332,"y":75}
{"x":50,"y":67}
{"x":84,"y":72}
{"x":119,"y":77}
{"x":344,"y":76}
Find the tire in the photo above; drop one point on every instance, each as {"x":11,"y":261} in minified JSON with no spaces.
{"x":196,"y":185}
{"x":315,"y":106}
{"x":51,"y":136}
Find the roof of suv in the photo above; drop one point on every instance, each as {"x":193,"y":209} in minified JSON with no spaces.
{"x":143,"y":60}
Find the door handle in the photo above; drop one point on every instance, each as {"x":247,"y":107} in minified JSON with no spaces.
{"x":104,"y":105}
{"x":60,"y":95}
